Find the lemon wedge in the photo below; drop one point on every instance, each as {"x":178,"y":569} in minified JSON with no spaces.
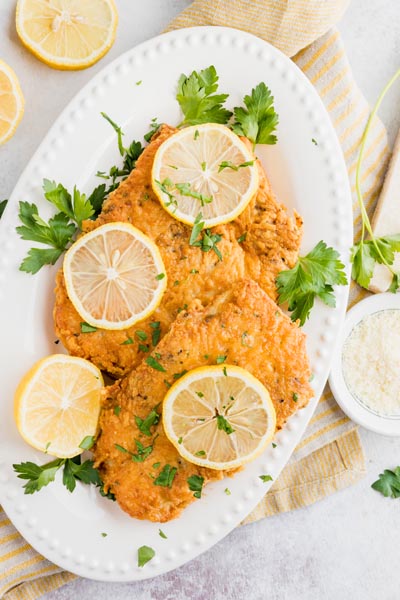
{"x":57,"y":404}
{"x":219,"y":417}
{"x":114,"y":276}
{"x":204,"y":169}
{"x":11,"y":102}
{"x":67,"y":34}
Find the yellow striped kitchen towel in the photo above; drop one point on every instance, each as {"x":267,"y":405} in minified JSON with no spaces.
{"x":330,"y":455}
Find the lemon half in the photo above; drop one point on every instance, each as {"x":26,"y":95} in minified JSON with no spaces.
{"x":11,"y":102}
{"x":57,"y":404}
{"x":67,"y":34}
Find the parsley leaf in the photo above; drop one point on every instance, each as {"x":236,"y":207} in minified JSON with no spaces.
{"x":57,"y":234}
{"x":154,"y":364}
{"x":366,"y":253}
{"x":224,"y":425}
{"x":166,"y":476}
{"x":313,"y":276}
{"x":265,"y":478}
{"x":227,"y":164}
{"x":154,"y":127}
{"x":388,"y":483}
{"x":38,"y":476}
{"x":3,"y":205}
{"x":142,"y":451}
{"x":144,"y":424}
{"x":198,"y":101}
{"x":162,"y":534}
{"x":118,"y":131}
{"x":259,"y":121}
{"x":86,"y":328}
{"x":208,"y":241}
{"x":145,"y":553}
{"x":87,"y":442}
{"x":195,"y":483}
{"x":185,"y":190}
{"x":76,"y":207}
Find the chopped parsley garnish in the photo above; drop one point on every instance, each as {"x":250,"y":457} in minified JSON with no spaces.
{"x":227,"y":164}
{"x":142,"y":335}
{"x":227,"y":491}
{"x":87,"y":442}
{"x":295,"y":397}
{"x":144,"y":424}
{"x":193,"y":271}
{"x":265,"y":478}
{"x":224,"y":425}
{"x":258,"y":120}
{"x":142,"y":452}
{"x":162,"y":534}
{"x":200,"y":453}
{"x":86,"y":328}
{"x":388,"y":483}
{"x":117,"y":410}
{"x":145,"y":554}
{"x":127,"y":342}
{"x":200,"y":394}
{"x":166,"y":476}
{"x":196,"y":134}
{"x":154,"y":364}
{"x":208,"y":241}
{"x":198,"y":101}
{"x":225,"y":372}
{"x":144,"y":347}
{"x":156,"y":465}
{"x":180,"y":440}
{"x":198,"y":226}
{"x":156,"y":334}
{"x":104,"y":535}
{"x":314,"y":142}
{"x":154,"y":127}
{"x":221,"y":359}
{"x":185,"y":190}
{"x":273,"y":445}
{"x":313,"y":276}
{"x":160,"y":276}
{"x":139,"y":82}
{"x":179,"y":375}
{"x":203,"y":166}
{"x":166,"y":186}
{"x":176,"y":283}
{"x":195,"y":483}
{"x":242,"y":238}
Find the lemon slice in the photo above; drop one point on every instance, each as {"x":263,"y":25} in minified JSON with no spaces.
{"x":114,"y":276}
{"x":219,"y":417}
{"x":204,"y":169}
{"x":67,"y":34}
{"x":57,"y":404}
{"x":11,"y":102}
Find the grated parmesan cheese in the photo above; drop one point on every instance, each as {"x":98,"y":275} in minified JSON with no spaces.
{"x":371,"y":362}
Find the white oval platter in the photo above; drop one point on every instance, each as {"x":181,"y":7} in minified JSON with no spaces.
{"x":64,"y":527}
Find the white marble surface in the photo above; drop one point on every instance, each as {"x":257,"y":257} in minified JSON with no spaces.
{"x":344,"y":547}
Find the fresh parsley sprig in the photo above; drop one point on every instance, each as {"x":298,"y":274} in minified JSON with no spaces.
{"x":258,"y":120}
{"x":198,"y":101}
{"x":314,"y":275}
{"x":388,"y":483}
{"x":38,"y":476}
{"x":366,"y":253}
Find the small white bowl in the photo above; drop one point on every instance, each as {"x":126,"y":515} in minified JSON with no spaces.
{"x":358,"y":412}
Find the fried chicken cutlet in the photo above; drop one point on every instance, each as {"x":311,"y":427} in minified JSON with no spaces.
{"x":274,"y":352}
{"x":270,"y":240}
